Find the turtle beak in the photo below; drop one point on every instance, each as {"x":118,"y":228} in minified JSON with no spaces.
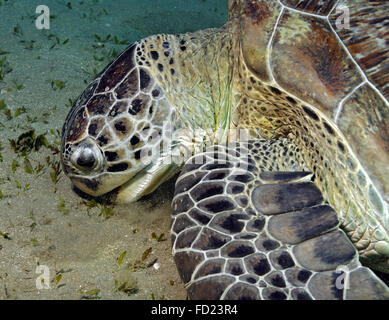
{"x":146,"y":181}
{"x":99,"y":185}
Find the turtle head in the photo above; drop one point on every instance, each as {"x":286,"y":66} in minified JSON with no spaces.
{"x":145,"y":114}
{"x":118,"y":133}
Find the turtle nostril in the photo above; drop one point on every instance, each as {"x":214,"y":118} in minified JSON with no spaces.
{"x":86,"y":159}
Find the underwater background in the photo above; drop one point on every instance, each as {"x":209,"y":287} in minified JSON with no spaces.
{"x":53,"y":243}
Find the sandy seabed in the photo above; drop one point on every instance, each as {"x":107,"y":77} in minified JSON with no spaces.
{"x":49,"y":236}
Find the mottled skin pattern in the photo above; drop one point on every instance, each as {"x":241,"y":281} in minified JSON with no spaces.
{"x":278,"y":69}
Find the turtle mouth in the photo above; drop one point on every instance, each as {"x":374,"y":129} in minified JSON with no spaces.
{"x":100,"y":185}
{"x":129,"y":187}
{"x":146,"y":181}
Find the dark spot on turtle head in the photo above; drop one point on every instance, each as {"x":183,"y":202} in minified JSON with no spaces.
{"x":76,"y":123}
{"x":99,"y":104}
{"x":160,"y":67}
{"x":136,"y":106}
{"x":144,"y":79}
{"x":103,"y":140}
{"x":134,"y":140}
{"x":154,"y":55}
{"x":111,"y":155}
{"x":129,"y":86}
{"x":122,"y":166}
{"x":165,"y":44}
{"x":310,"y":113}
{"x":120,"y":126}
{"x":172,"y":71}
{"x":92,"y":129}
{"x":118,"y":108}
{"x":183,"y":48}
{"x":171,"y":61}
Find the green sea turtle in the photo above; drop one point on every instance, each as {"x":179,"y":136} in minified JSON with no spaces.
{"x":279,"y":123}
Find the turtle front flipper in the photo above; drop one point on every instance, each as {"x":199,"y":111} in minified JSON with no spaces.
{"x":245,"y":228}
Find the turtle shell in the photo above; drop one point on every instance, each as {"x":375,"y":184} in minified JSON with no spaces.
{"x":332,"y":57}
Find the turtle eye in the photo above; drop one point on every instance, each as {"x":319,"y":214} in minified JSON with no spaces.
{"x":86,"y":159}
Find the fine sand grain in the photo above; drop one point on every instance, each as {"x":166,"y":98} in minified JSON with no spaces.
{"x":87,"y":250}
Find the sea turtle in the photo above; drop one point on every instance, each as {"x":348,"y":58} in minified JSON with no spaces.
{"x":279,"y":123}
